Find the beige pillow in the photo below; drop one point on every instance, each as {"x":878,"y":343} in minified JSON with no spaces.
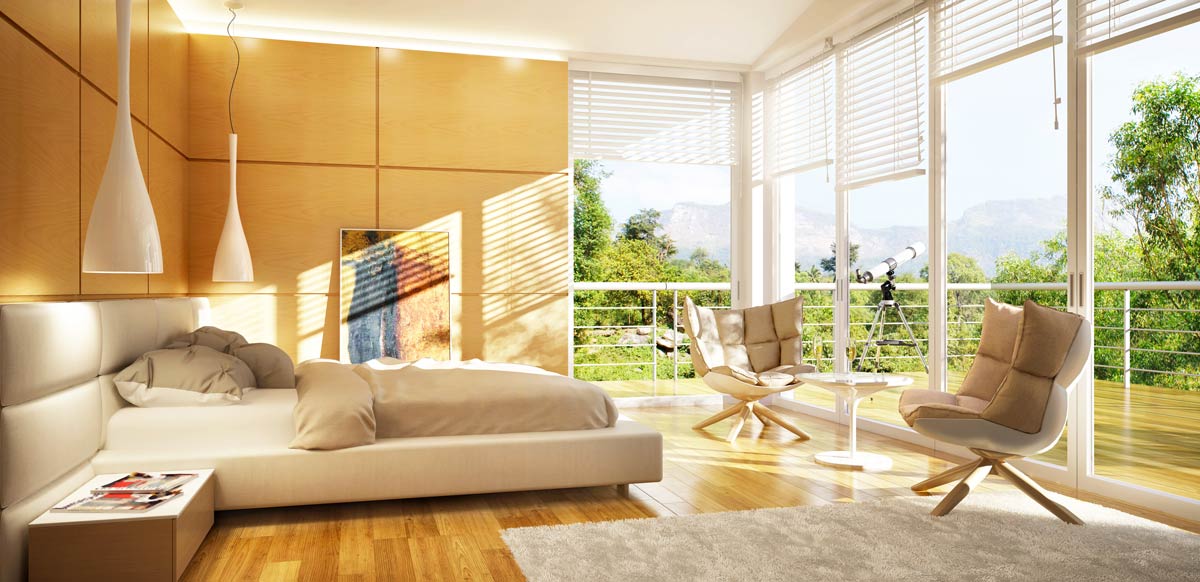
{"x":191,"y":376}
{"x":334,"y":409}
{"x":1043,"y":341}
{"x":272,"y":366}
{"x":996,"y":345}
{"x":213,"y":337}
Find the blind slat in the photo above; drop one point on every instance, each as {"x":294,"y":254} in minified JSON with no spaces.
{"x":654,"y":119}
{"x":802,"y":128}
{"x":881,"y":83}
{"x":1105,"y":22}
{"x":968,"y":33}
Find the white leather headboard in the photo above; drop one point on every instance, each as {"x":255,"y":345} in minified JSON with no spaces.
{"x":57,"y":361}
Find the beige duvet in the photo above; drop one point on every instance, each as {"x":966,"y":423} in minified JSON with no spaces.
{"x":431,"y":398}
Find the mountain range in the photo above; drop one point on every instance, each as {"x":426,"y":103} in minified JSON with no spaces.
{"x":984,"y":232}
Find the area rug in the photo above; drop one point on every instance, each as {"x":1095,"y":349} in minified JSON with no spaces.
{"x":996,"y":536}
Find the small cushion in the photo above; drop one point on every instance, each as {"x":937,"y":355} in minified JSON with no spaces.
{"x":994,"y":356}
{"x":775,"y":379}
{"x":1044,"y":339}
{"x":919,"y":403}
{"x":272,"y":366}
{"x":191,"y":376}
{"x":739,"y":374}
{"x":214,"y":337}
{"x":335,"y":407}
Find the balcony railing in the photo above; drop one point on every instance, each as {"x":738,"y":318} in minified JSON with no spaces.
{"x":652,"y":342}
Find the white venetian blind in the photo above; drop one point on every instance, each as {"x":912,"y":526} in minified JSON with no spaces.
{"x":1104,"y":23}
{"x":653,"y":119}
{"x":881,"y":90}
{"x":972,"y":35}
{"x":802,"y":129}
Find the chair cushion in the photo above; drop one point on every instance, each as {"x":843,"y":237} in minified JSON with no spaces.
{"x":739,"y":374}
{"x":994,"y":357}
{"x":920,"y":403}
{"x":1043,"y":341}
{"x":775,"y":378}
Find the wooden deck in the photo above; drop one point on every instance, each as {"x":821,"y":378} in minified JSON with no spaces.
{"x":458,"y":538}
{"x":1148,"y":436}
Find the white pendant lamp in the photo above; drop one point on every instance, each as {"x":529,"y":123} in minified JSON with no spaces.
{"x":232,"y":263}
{"x":122,"y":235}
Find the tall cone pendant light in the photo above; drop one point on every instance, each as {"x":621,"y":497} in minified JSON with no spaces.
{"x":122,"y":235}
{"x":232,"y":263}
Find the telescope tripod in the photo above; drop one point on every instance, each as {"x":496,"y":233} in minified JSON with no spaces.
{"x":877,"y":325}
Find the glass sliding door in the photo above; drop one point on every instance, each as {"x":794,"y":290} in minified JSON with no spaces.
{"x":1144,"y":141}
{"x":1006,"y":200}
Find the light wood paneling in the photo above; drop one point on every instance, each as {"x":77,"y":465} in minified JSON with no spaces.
{"x":39,"y":170}
{"x":524,"y":328}
{"x":99,"y":117}
{"x":458,"y":111}
{"x":508,"y":232}
{"x":169,"y":195}
{"x":291,"y":215}
{"x":55,"y":23}
{"x":294,"y":102}
{"x":168,"y":83}
{"x":305,"y":326}
{"x":99,"y":51}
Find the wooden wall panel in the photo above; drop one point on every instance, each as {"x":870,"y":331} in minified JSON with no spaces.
{"x":291,"y":214}
{"x":294,"y":102}
{"x":96,"y":134}
{"x":168,"y":83}
{"x":444,"y":110}
{"x":99,"y":51}
{"x":39,"y":170}
{"x":55,"y":23}
{"x":304,"y":325}
{"x":169,"y":194}
{"x":498,"y":222}
{"x":522,"y":328}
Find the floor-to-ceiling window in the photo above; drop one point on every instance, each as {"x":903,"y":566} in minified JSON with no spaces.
{"x":1144,"y":142}
{"x":653,"y":176}
{"x":1006,"y":177}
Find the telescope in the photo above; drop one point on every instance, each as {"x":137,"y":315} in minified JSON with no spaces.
{"x":889,"y":265}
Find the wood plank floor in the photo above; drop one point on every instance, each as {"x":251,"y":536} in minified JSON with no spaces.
{"x":1147,"y":435}
{"x":458,"y":538}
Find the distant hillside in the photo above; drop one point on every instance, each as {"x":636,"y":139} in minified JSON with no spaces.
{"x":984,"y":232}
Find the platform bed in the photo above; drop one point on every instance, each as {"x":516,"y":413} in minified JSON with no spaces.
{"x":62,"y":422}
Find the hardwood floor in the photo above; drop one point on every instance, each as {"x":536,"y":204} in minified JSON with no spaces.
{"x":458,"y":538}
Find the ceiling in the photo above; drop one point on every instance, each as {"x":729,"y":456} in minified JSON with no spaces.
{"x":716,"y":33}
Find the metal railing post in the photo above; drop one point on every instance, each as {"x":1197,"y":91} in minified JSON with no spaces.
{"x":653,"y":338}
{"x":675,"y":342}
{"x":1126,"y":346}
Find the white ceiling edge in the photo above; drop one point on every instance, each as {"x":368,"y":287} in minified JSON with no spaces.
{"x":446,"y":46}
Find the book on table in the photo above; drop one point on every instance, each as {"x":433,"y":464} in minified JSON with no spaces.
{"x":132,"y":493}
{"x":146,"y":483}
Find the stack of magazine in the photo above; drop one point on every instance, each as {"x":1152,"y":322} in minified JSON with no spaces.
{"x":133,"y":493}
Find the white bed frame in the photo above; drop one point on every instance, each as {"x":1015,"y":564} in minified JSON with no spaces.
{"x":57,"y":361}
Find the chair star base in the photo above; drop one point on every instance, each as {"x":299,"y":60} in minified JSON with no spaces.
{"x":742,"y":411}
{"x":972,"y":475}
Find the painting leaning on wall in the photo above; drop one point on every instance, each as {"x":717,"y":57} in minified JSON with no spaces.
{"x":395,"y":294}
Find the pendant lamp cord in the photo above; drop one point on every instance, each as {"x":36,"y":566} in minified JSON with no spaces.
{"x":229,"y":33}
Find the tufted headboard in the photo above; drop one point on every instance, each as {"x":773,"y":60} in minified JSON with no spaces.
{"x":57,"y":361}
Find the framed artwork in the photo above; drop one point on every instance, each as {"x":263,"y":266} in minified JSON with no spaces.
{"x":395,"y":294}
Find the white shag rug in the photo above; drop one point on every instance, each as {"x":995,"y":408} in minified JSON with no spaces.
{"x":996,"y":536}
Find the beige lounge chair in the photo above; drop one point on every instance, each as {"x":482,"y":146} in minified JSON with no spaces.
{"x":748,"y":354}
{"x":1013,"y":401}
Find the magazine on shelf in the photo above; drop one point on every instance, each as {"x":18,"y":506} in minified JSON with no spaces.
{"x":146,"y":483}
{"x":117,"y":502}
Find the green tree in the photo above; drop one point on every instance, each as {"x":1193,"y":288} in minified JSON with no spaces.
{"x":829,"y":264}
{"x":593,"y":224}
{"x":644,"y":226}
{"x":1157,"y":170}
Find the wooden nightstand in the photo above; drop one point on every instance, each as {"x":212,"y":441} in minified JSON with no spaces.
{"x":152,"y":546}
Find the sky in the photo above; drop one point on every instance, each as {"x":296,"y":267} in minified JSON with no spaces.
{"x":1001,"y":141}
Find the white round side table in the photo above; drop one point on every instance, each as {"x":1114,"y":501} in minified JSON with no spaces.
{"x":854,"y":387}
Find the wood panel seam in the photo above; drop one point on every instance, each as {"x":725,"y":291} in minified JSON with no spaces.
{"x":381,"y":167}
